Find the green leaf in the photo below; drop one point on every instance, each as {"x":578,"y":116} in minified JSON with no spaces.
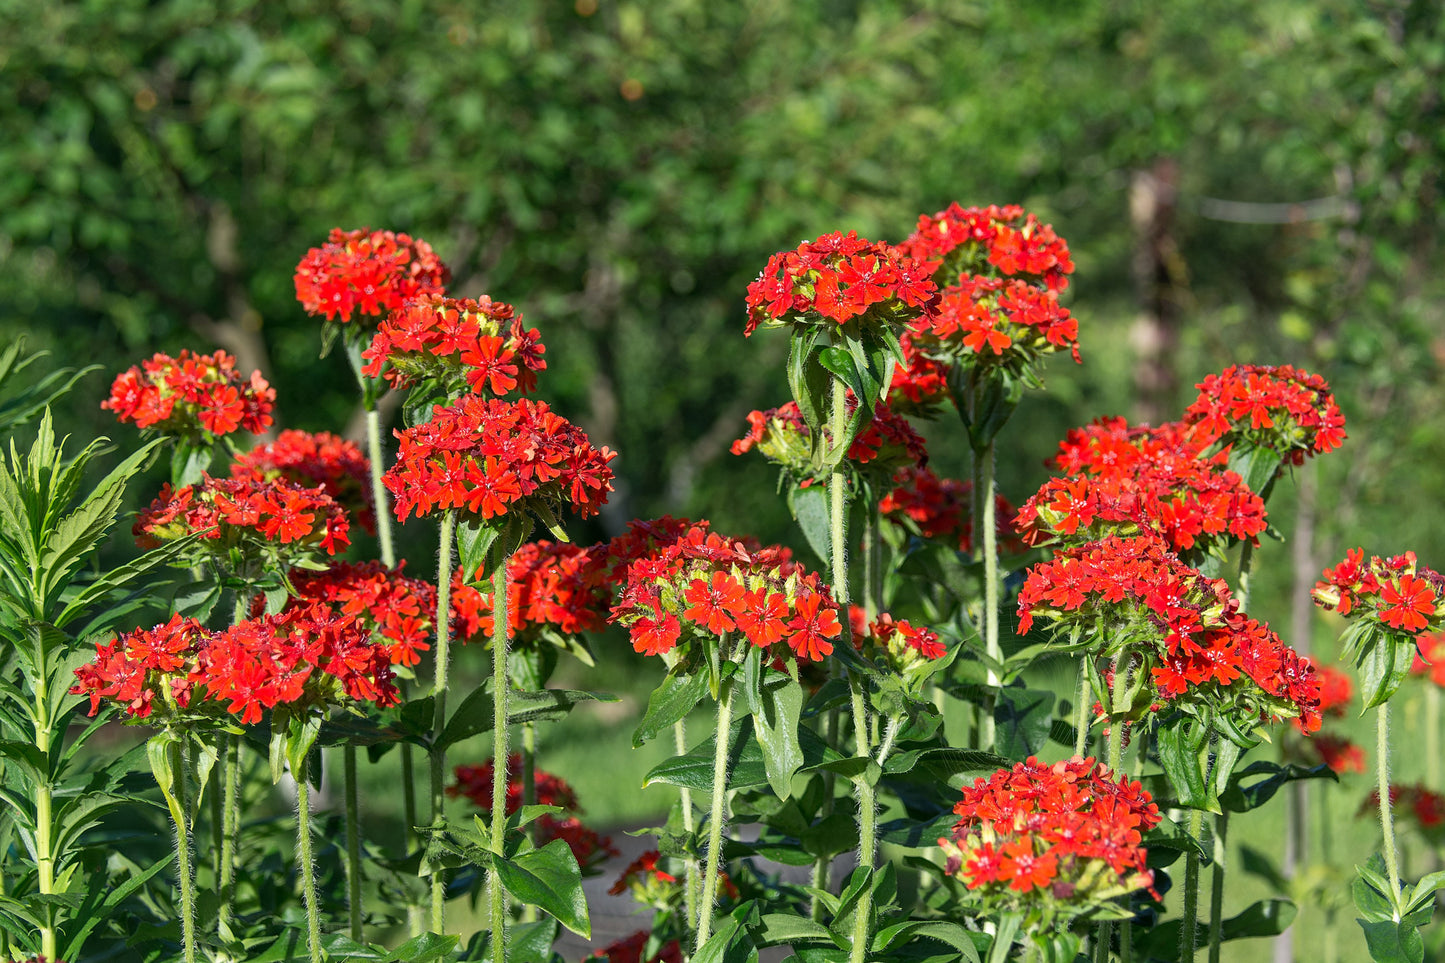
{"x":1023,"y":719}
{"x":1181,"y":743}
{"x":669,"y":703}
{"x":729,"y":944}
{"x":779,"y":929}
{"x":1391,"y":942}
{"x":776,"y":703}
{"x":951,"y":933}
{"x":1384,"y":662}
{"x":474,"y":716}
{"x":1255,"y":784}
{"x":746,"y":769}
{"x":1266,"y":918}
{"x":474,"y":542}
{"x":547,"y":705}
{"x":807,"y":378}
{"x":1257,"y":466}
{"x":810,"y":510}
{"x":549,"y":879}
{"x":426,"y":948}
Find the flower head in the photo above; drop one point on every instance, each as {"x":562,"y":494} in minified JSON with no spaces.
{"x":630,"y":949}
{"x":923,"y":504}
{"x":996,"y":240}
{"x":1279,"y":407}
{"x":398,"y":610}
{"x":367,"y":273}
{"x":552,"y":589}
{"x":1397,"y":593}
{"x":315,"y":460}
{"x":194,"y":397}
{"x":886,"y":445}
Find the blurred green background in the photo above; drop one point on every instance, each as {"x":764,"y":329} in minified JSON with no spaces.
{"x":1239,"y":180}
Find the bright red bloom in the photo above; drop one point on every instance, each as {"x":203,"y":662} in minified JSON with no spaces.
{"x":315,"y":460}
{"x":475,"y":783}
{"x":198,"y":398}
{"x":493,"y":457}
{"x":895,"y":642}
{"x":367,"y":273}
{"x":397,"y":609}
{"x":1396,"y":592}
{"x":1422,"y":806}
{"x":712,"y":602}
{"x":1279,"y":407}
{"x":1338,"y":752}
{"x":1336,"y":690}
{"x":983,"y":320}
{"x":460,"y":344}
{"x":1005,"y":240}
{"x":629,"y":950}
{"x":941,"y":508}
{"x":1430,"y":657}
{"x":552,"y":587}
{"x":1409,"y":603}
{"x":813,"y":627}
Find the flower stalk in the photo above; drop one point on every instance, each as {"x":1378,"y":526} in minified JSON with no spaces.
{"x":1382,"y":782}
{"x":306,"y":859}
{"x":439,"y":696}
{"x":716,"y":814}
{"x":501,"y":688}
{"x":230,"y":829}
{"x":180,"y":819}
{"x":689,"y":824}
{"x":353,"y":842}
{"x":867,"y":832}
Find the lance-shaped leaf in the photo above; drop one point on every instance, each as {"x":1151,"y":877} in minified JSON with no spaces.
{"x":549,"y":879}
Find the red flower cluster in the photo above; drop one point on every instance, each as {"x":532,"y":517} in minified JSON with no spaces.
{"x":551,"y":588}
{"x":397,"y":609}
{"x":1068,"y":833}
{"x":305,"y":657}
{"x":1004,"y":240}
{"x":887,"y":445}
{"x":1425,"y":806}
{"x":1336,"y":690}
{"x":920,"y":384}
{"x":629,"y":949}
{"x":1186,"y":628}
{"x":981,"y":317}
{"x":1430,"y":657}
{"x":367,"y":273}
{"x":276,"y":519}
{"x":315,"y":460}
{"x":459,"y":344}
{"x":1337,"y":752}
{"x":1396,"y":591}
{"x":1281,"y":408}
{"x":491,"y":457}
{"x":642,"y":874}
{"x":940,"y":508}
{"x":837,"y":278}
{"x":476,"y":783}
{"x":701,"y":586}
{"x":197,"y":397}
{"x":894,"y":643}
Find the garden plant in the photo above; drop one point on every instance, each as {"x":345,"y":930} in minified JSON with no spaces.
{"x":870,"y":761}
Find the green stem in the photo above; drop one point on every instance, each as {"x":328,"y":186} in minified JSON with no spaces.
{"x":180,"y":819}
{"x":529,"y":795}
{"x":1191,"y":889}
{"x":689,"y":824}
{"x":867,"y":831}
{"x":44,"y":815}
{"x":501,"y":689}
{"x":894,"y":725}
{"x":1116,"y":746}
{"x":305,"y":858}
{"x":860,"y":717}
{"x":1246,"y":563}
{"x":985,"y":534}
{"x":1382,"y":776}
{"x":353,"y":841}
{"x":1081,"y":711}
{"x":1216,"y":885}
{"x":230,"y":830}
{"x":439,"y":708}
{"x":381,"y":503}
{"x":716,"y":815}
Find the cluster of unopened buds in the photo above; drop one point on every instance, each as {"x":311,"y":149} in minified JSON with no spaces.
{"x":1066,"y":837}
{"x":315,"y":460}
{"x":704,"y":587}
{"x":457,"y":345}
{"x":476,"y":784}
{"x":1186,"y":629}
{"x":367,"y":273}
{"x":195,"y":397}
{"x":1397,"y":592}
{"x":307,"y":657}
{"x":276,"y":518}
{"x":839,"y":278}
{"x":887,"y":445}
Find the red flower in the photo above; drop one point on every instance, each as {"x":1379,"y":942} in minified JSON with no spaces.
{"x":1280,"y":407}
{"x":812,"y":628}
{"x":886,"y":445}
{"x":475,"y":784}
{"x":629,"y":950}
{"x":1409,"y":603}
{"x":276,"y":520}
{"x":1003,"y":239}
{"x":367,"y":273}
{"x":320,"y":460}
{"x":196,"y":397}
{"x":1338,"y":752}
{"x":713,"y":602}
{"x":1396,"y":592}
{"x":462,"y":345}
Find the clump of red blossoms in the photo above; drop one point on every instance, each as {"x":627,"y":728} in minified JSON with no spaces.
{"x":588,"y":848}
{"x":887,"y":445}
{"x":397,"y":610}
{"x":894,"y":642}
{"x":457,"y":345}
{"x":367,"y":273}
{"x":928,"y":506}
{"x":1337,"y":752}
{"x":275,"y":521}
{"x":1065,"y":837}
{"x":489,"y":457}
{"x":992,"y":321}
{"x":1430,"y":659}
{"x":1289,"y":411}
{"x":990,"y":240}
{"x":1127,"y":480}
{"x":920,"y":384}
{"x":1184,"y":629}
{"x":630,"y":949}
{"x":703,"y":587}
{"x":195,"y":397}
{"x":553,"y":589}
{"x":1396,"y":592}
{"x":1422,"y":806}
{"x":1336,"y":690}
{"x":307,"y":657}
{"x":839,"y":278}
{"x":315,"y":460}
{"x":652,"y":886}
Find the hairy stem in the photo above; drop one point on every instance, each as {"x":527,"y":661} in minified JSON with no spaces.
{"x":1216,"y":885}
{"x":308,"y":867}
{"x":867,"y":830}
{"x":689,"y":823}
{"x":1081,"y":711}
{"x":180,"y":818}
{"x":378,"y":490}
{"x":439,"y":709}
{"x":985,"y":534}
{"x":353,"y":841}
{"x":1191,"y":889}
{"x":44,"y":815}
{"x":501,"y":689}
{"x":230,"y":829}
{"x":1382,"y":776}
{"x":1116,"y":747}
{"x":529,"y":795}
{"x":716,"y":814}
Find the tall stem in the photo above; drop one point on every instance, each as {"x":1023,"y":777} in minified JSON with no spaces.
{"x":380,"y":501}
{"x":872,"y":562}
{"x":180,"y":817}
{"x":689,"y":824}
{"x":308,"y":868}
{"x":230,"y":829}
{"x":1191,"y":889}
{"x":44,"y":815}
{"x":1382,"y":777}
{"x":353,"y":841}
{"x":867,"y":829}
{"x":1246,"y":564}
{"x":1116,"y":747}
{"x":439,"y":706}
{"x":1081,"y":711}
{"x":501,"y":689}
{"x":985,"y":534}
{"x":1216,"y":887}
{"x":716,"y":814}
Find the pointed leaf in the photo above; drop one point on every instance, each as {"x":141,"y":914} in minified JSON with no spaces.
{"x":549,"y":879}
